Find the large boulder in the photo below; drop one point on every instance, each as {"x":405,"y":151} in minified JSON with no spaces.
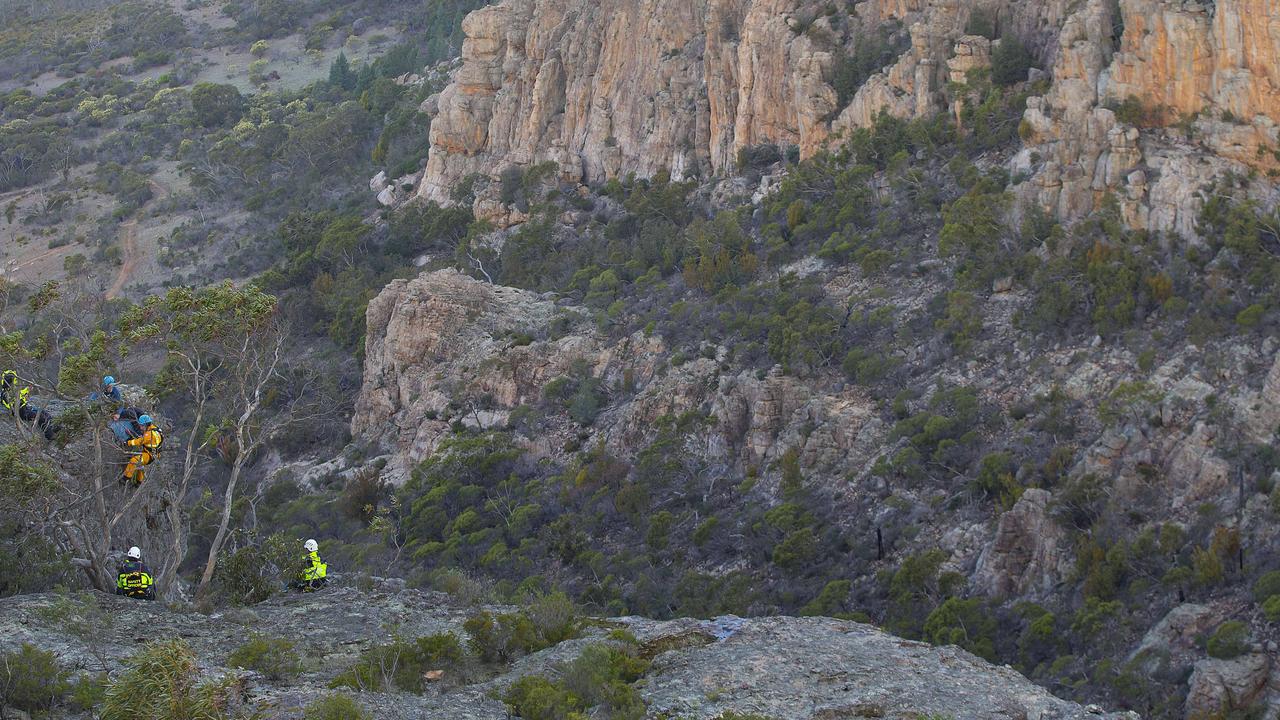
{"x":1224,"y":685}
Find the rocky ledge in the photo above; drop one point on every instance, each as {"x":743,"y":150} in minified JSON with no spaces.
{"x":779,"y":667}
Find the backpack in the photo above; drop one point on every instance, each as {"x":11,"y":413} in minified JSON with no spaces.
{"x":159,"y":440}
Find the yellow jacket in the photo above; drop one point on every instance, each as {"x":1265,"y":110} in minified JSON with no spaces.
{"x":149,"y":440}
{"x":314,"y":569}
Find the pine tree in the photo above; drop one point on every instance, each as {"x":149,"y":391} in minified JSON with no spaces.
{"x":340,"y":74}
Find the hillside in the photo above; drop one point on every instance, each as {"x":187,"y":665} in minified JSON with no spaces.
{"x":960,"y":319}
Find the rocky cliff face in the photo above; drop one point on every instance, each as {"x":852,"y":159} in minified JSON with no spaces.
{"x":636,"y":86}
{"x":441,"y":340}
{"x":798,"y":668}
{"x":608,"y":88}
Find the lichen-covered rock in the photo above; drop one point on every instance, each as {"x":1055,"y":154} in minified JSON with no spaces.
{"x":797,"y":668}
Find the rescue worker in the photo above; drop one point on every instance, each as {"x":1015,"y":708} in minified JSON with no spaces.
{"x":134,"y":578}
{"x":16,"y":401}
{"x":144,"y":449}
{"x":110,"y":391}
{"x":314,"y":572}
{"x":11,"y":396}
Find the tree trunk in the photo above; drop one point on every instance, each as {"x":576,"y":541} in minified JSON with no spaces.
{"x":221,"y":536}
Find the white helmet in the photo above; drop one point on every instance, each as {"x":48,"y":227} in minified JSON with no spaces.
{"x":135,"y":553}
{"x":311,"y":545}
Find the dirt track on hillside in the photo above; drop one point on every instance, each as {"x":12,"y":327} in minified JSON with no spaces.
{"x":131,"y":255}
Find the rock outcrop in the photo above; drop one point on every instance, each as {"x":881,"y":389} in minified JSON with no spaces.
{"x":608,"y":88}
{"x":1225,"y":685}
{"x":1211,"y":68}
{"x":797,"y":668}
{"x":1029,"y":555}
{"x":443,"y":339}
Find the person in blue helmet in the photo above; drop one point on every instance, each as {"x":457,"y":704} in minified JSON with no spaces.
{"x":143,"y":450}
{"x":111,"y":390}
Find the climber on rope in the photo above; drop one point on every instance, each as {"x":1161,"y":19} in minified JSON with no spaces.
{"x":16,"y":400}
{"x":314,"y":573}
{"x":134,"y":578}
{"x":143,"y":450}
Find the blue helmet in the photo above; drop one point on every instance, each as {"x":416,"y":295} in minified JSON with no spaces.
{"x":144,"y":420}
{"x":108,"y":380}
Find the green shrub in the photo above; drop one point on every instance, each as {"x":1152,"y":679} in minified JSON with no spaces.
{"x":255,"y":571}
{"x":601,"y":677}
{"x":599,"y":680}
{"x":964,"y":623}
{"x":996,"y":481}
{"x":980,"y":23}
{"x":796,"y":550}
{"x":335,"y":707}
{"x":703,"y":532}
{"x":402,"y":664}
{"x":1095,"y":616}
{"x":1250,"y":316}
{"x":554,"y":617}
{"x":275,"y":658}
{"x":1230,"y":640}
{"x":1010,"y":61}
{"x":31,"y":680}
{"x":1271,"y":608}
{"x":536,"y":698}
{"x":503,"y":637}
{"x":1267,"y":586}
{"x":87,"y":692}
{"x":830,"y":601}
{"x":161,"y":682}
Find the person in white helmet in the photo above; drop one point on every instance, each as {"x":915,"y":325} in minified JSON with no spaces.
{"x":134,"y":577}
{"x":314,"y":572}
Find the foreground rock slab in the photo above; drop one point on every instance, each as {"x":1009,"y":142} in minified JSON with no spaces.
{"x":777,"y":667}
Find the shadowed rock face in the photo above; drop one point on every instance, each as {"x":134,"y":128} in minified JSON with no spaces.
{"x":780,"y":667}
{"x":607,"y":88}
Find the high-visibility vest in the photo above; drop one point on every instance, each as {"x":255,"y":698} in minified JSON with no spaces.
{"x":23,"y":395}
{"x":134,"y":579}
{"x":315,"y":569}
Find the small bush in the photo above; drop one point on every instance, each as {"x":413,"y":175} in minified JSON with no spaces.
{"x":1267,"y":586}
{"x":554,"y":617}
{"x":160,"y":682}
{"x":275,"y":658}
{"x":964,"y":623}
{"x":537,"y":698}
{"x":1010,"y":62}
{"x":1271,"y":608}
{"x":599,"y":680}
{"x":1230,"y":640}
{"x":335,"y":707}
{"x":500,"y":638}
{"x":402,"y":664}
{"x":31,"y":680}
{"x":549,"y":619}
